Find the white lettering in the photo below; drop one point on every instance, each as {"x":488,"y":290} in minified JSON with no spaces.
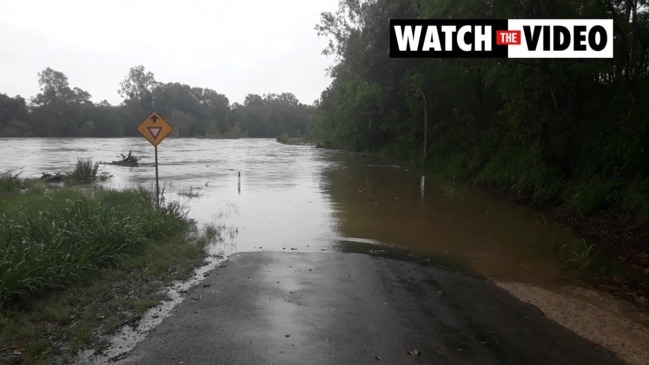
{"x":406,"y":39}
{"x":563,"y":38}
{"x":431,"y":40}
{"x":482,"y":37}
{"x":461,"y":42}
{"x":448,"y":31}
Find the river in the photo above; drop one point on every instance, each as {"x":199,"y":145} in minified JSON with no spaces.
{"x":269,"y":196}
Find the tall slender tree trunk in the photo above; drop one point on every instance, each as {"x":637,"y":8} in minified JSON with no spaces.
{"x":423,"y":96}
{"x":425,"y":129}
{"x":369,"y":134}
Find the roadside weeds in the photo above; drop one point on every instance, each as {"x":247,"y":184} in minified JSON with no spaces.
{"x":52,"y":329}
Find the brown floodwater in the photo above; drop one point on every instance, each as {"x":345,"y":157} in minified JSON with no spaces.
{"x":263,"y":195}
{"x":446,"y":221}
{"x":268,"y":196}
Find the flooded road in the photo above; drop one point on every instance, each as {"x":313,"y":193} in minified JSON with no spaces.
{"x":274,"y":197}
{"x":267,"y":198}
{"x":346,"y":308}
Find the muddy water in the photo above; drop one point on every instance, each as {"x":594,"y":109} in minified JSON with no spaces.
{"x":268,"y":196}
{"x":390,"y":204}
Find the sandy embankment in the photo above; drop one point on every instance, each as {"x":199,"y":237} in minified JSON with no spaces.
{"x":596,"y":316}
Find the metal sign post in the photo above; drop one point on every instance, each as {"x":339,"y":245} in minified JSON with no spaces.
{"x":154,"y":128}
{"x":157,"y":184}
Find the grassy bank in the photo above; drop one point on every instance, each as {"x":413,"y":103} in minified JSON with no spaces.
{"x":524,"y":175}
{"x":75,"y":265}
{"x":595,"y":205}
{"x":49,"y":240}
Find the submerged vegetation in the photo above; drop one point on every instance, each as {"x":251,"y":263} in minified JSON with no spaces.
{"x":192,"y":192}
{"x":127,"y":160}
{"x":569,"y":133}
{"x":76,"y":264}
{"x":578,"y":255}
{"x":286,"y":139}
{"x":86,"y":172}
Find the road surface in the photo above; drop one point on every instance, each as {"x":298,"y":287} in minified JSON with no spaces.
{"x":343,"y":308}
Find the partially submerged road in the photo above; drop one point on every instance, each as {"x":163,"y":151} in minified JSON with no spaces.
{"x":337,"y":308}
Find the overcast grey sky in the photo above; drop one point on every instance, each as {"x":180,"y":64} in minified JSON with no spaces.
{"x":233,"y":47}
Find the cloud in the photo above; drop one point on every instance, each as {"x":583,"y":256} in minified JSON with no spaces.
{"x":234,"y":47}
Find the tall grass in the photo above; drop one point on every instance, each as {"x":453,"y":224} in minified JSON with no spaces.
{"x":593,"y":195}
{"x":48,"y":241}
{"x":578,"y":255}
{"x":85,"y":172}
{"x":636,"y":199}
{"x":10,"y":181}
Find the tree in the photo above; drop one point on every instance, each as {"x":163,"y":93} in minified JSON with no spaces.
{"x":535,"y":126}
{"x":214,"y":108}
{"x":55,"y":90}
{"x":12,"y":108}
{"x":184,"y":124}
{"x":271,"y":115}
{"x":138,"y":86}
{"x":60,"y":110}
{"x":13,"y":116}
{"x":423,"y":96}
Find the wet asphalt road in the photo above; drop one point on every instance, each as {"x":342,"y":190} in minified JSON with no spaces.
{"x":341,"y":308}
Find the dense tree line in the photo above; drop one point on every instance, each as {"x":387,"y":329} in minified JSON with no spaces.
{"x":61,"y":110}
{"x":558,"y":130}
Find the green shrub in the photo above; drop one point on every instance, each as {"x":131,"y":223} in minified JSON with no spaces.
{"x":592,"y":195}
{"x":636,"y":199}
{"x":284,"y":138}
{"x":578,"y":255}
{"x":522,"y":172}
{"x":10,"y":181}
{"x":85,"y":172}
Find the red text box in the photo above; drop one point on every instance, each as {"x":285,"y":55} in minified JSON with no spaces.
{"x":507,"y":37}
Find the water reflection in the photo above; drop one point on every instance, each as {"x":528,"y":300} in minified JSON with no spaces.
{"x":436,"y":217}
{"x":268,"y":196}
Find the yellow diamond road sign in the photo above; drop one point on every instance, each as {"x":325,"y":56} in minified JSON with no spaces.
{"x":155,"y":128}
